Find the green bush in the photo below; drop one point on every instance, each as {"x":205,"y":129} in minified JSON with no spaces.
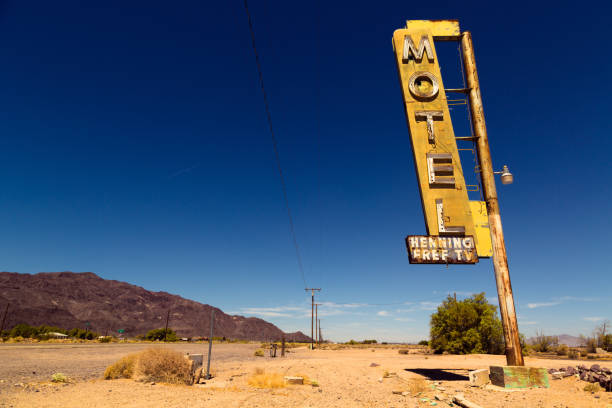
{"x":34,"y":332}
{"x":542,"y":343}
{"x":562,"y":350}
{"x":59,"y":378}
{"x":424,"y":343}
{"x":105,"y":339}
{"x":82,"y":334}
{"x":467,"y":326}
{"x":158,"y":334}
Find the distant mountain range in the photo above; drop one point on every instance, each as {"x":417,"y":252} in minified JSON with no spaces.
{"x":568,"y":340}
{"x":68,"y":300}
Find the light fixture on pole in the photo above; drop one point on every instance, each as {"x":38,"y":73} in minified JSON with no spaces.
{"x":506,"y":176}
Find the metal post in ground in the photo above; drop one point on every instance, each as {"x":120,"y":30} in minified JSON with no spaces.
{"x":514,"y":356}
{"x":210,"y":339}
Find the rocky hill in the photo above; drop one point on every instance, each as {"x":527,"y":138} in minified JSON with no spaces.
{"x":67,"y":300}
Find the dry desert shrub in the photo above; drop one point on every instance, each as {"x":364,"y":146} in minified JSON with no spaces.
{"x":163,"y":365}
{"x":592,"y":388}
{"x":154,"y":364}
{"x":59,"y":378}
{"x":416,"y":385}
{"x":261,"y":379}
{"x":124,"y":368}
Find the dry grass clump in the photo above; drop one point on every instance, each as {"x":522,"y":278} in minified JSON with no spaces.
{"x":154,"y":364}
{"x":261,"y":379}
{"x":417,"y":385}
{"x":163,"y":365}
{"x":259,"y":353}
{"x":124,"y":368}
{"x":59,"y":378}
{"x":594,"y":387}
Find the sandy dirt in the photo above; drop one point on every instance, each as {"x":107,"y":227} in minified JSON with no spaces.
{"x":346,"y":378}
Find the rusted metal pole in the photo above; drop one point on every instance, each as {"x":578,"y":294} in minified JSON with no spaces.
{"x":507,"y":311}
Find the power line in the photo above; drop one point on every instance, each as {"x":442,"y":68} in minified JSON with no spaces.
{"x":275,"y":144}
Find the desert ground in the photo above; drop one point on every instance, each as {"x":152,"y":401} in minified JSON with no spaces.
{"x":364,"y":377}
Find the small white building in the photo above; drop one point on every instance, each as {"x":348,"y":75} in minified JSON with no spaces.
{"x":56,"y":335}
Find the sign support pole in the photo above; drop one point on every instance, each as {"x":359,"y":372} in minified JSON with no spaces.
{"x":514,"y":356}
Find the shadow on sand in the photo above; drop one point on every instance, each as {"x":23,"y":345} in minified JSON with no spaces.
{"x":441,"y":374}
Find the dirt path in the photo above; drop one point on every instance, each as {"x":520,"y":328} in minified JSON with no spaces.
{"x":346,"y":378}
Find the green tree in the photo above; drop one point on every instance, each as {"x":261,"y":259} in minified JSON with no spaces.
{"x":24,"y":330}
{"x":467,"y":326}
{"x":158,"y":334}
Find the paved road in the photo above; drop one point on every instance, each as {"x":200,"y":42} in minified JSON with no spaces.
{"x":37,"y":362}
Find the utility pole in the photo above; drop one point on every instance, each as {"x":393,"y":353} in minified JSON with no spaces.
{"x":319,"y":336}
{"x":210,"y":341}
{"x":317,"y":323}
{"x":4,"y":318}
{"x":166,"y":330}
{"x":312,"y":290}
{"x":514,"y":356}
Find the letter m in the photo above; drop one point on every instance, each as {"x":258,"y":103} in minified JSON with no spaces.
{"x":410,"y":50}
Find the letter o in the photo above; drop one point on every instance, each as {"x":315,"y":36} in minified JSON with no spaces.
{"x":416,"y":92}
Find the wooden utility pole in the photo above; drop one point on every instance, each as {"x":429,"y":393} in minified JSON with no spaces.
{"x":4,"y":318}
{"x":317,"y":323}
{"x":514,"y":356}
{"x":283,"y":346}
{"x":319,"y":335}
{"x":210,"y":341}
{"x":312,"y":316}
{"x":166,"y":330}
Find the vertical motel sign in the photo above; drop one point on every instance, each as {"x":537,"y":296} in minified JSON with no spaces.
{"x":457,"y":228}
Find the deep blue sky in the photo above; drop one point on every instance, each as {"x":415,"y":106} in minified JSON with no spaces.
{"x":133,"y":144}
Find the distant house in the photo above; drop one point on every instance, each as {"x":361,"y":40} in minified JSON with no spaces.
{"x":57,"y":335}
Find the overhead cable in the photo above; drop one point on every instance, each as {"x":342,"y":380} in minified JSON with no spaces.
{"x":275,"y":144}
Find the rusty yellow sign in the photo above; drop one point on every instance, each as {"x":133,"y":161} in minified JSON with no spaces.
{"x":441,"y":250}
{"x":443,"y":191}
{"x":481,"y":225}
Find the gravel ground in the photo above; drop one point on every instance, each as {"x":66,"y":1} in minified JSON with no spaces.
{"x":375,"y":377}
{"x":22,"y":363}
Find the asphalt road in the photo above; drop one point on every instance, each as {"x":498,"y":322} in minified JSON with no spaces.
{"x":21,"y":363}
